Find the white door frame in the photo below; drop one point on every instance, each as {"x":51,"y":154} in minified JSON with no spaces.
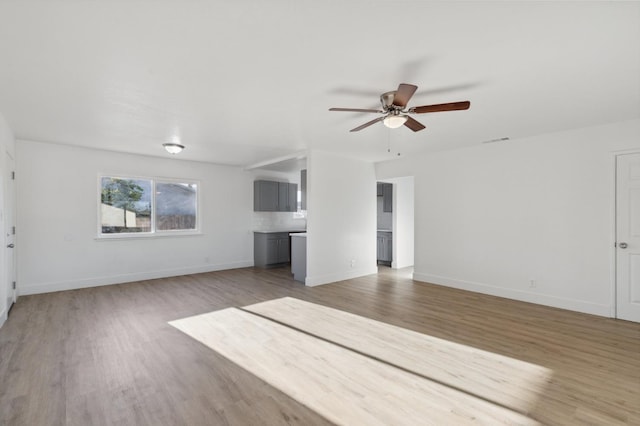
{"x":9,"y":207}
{"x":614,"y":228}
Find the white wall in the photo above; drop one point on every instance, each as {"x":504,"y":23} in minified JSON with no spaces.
{"x":57,"y":246}
{"x":7,"y":145}
{"x":493,"y":217}
{"x":341,"y":221}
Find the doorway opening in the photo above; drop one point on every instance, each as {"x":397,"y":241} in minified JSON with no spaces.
{"x":395,"y":222}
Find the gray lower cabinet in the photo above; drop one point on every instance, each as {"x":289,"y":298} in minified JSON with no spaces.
{"x":270,"y":248}
{"x":385,"y":247}
{"x":299,"y":257}
{"x":271,"y":196}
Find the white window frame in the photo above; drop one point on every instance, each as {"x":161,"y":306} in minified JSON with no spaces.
{"x":154,"y":233}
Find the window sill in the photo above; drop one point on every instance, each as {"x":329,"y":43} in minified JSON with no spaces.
{"x":120,"y":237}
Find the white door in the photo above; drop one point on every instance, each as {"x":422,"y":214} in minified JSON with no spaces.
{"x":628,"y":237}
{"x":9,"y":228}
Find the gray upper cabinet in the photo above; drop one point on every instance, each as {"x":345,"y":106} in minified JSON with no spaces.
{"x":287,"y":197}
{"x":283,"y":197}
{"x":265,"y":196}
{"x":271,"y":196}
{"x":385,"y":190}
{"x":387,"y":197}
{"x":293,"y":198}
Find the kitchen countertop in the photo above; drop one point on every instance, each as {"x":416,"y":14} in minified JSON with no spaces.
{"x":298,"y":234}
{"x":274,"y":231}
{"x":385,"y":230}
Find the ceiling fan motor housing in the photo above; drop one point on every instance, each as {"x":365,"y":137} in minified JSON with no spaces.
{"x":386,"y":99}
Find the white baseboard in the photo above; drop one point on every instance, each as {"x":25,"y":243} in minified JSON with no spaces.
{"x":396,"y":265}
{"x":339,"y":276}
{"x":523,"y":296}
{"x":39,"y":288}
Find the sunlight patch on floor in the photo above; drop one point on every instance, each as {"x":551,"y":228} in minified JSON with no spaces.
{"x":354,"y":370}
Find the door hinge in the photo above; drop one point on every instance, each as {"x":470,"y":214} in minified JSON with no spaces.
{"x":13,"y":175}
{"x":13,"y":230}
{"x":14,"y":285}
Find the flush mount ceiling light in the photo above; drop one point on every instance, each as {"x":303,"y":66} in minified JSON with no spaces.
{"x":394,"y":121}
{"x":173,"y":148}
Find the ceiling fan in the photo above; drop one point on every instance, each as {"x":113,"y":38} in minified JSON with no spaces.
{"x":394,"y":108}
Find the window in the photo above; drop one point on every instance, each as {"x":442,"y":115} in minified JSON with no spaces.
{"x":299,"y":213}
{"x":139,"y":206}
{"x":176,"y":206}
{"x":125,"y":205}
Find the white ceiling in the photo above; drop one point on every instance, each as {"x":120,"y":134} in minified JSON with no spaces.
{"x":244,"y":81}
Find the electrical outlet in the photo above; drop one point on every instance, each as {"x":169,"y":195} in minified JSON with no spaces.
{"x":353,"y":263}
{"x":533,"y":284}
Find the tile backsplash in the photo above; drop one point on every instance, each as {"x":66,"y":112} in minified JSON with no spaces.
{"x":268,"y":221}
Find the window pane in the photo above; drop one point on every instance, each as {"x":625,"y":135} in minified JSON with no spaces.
{"x":176,"y":206}
{"x":125,"y":205}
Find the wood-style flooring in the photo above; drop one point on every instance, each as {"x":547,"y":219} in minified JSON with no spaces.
{"x":107,"y":355}
{"x":350,"y":387}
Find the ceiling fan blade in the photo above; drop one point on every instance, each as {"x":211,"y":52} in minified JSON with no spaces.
{"x":414,"y":125}
{"x":451,"y":106}
{"x":356,"y":110}
{"x":403,"y":94}
{"x":367,"y":124}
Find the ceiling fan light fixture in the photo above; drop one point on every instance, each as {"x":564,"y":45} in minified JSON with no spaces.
{"x":395,"y":121}
{"x":394,"y":106}
{"x":173,"y":148}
